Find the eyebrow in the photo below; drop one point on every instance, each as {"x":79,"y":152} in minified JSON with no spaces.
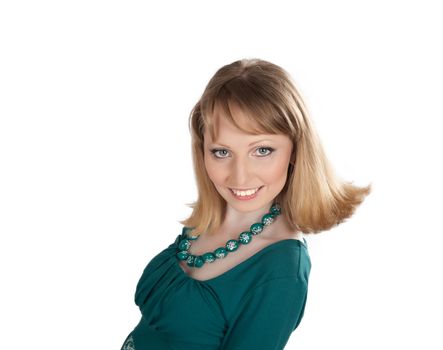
{"x":253,"y":143}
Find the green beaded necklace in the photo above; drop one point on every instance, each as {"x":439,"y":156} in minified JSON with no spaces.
{"x":230,"y":246}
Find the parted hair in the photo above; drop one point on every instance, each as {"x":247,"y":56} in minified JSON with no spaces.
{"x":313,"y":198}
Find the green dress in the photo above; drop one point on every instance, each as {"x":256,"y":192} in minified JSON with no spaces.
{"x":255,"y":305}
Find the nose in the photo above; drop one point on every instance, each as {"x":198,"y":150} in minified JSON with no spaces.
{"x":241,"y":173}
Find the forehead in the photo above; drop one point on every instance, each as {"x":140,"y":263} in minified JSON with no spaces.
{"x":232,"y":120}
{"x":243,"y":133}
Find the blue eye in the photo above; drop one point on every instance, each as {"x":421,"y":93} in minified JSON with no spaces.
{"x":214,"y":151}
{"x":268,"y":149}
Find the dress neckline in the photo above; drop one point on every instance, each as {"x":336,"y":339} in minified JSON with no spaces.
{"x":232,"y":269}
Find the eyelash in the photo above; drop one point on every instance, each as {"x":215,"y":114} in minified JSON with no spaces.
{"x":215,"y":150}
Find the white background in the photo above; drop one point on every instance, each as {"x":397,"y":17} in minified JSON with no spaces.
{"x":96,"y":169}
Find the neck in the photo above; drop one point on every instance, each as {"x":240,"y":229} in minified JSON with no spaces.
{"x":234,"y":219}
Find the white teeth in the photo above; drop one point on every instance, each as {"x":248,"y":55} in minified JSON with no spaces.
{"x":244,"y":193}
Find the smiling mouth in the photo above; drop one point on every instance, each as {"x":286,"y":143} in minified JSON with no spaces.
{"x":245,"y":193}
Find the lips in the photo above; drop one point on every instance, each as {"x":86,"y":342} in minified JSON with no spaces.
{"x":246,"y":196}
{"x":247,"y":189}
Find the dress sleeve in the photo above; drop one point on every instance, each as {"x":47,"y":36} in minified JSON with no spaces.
{"x":268,"y":315}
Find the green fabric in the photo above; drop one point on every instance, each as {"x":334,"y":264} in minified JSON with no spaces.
{"x":255,"y":305}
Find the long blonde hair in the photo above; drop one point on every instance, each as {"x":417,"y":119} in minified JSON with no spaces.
{"x":313,"y":199}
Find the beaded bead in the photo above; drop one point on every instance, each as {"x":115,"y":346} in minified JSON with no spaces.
{"x":220,"y":253}
{"x":267,"y":219}
{"x":184,"y":244}
{"x":183,"y":255}
{"x":245,"y":237}
{"x":198,"y":261}
{"x":231,"y":245}
{"x":190,"y":260}
{"x":275,"y":209}
{"x":256,"y":228}
{"x":209,"y":257}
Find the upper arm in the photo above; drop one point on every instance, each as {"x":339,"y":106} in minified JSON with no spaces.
{"x":268,"y":315}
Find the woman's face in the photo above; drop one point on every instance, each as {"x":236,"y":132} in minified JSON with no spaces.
{"x":242,"y":161}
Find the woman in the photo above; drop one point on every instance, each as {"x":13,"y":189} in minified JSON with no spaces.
{"x":237,"y":275}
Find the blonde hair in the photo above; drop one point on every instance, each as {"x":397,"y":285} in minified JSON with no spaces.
{"x":313,"y":199}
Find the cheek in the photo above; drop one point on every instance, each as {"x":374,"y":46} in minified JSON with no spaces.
{"x":214,"y":172}
{"x":277,"y":172}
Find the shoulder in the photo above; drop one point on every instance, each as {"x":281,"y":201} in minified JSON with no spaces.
{"x":287,"y":258}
